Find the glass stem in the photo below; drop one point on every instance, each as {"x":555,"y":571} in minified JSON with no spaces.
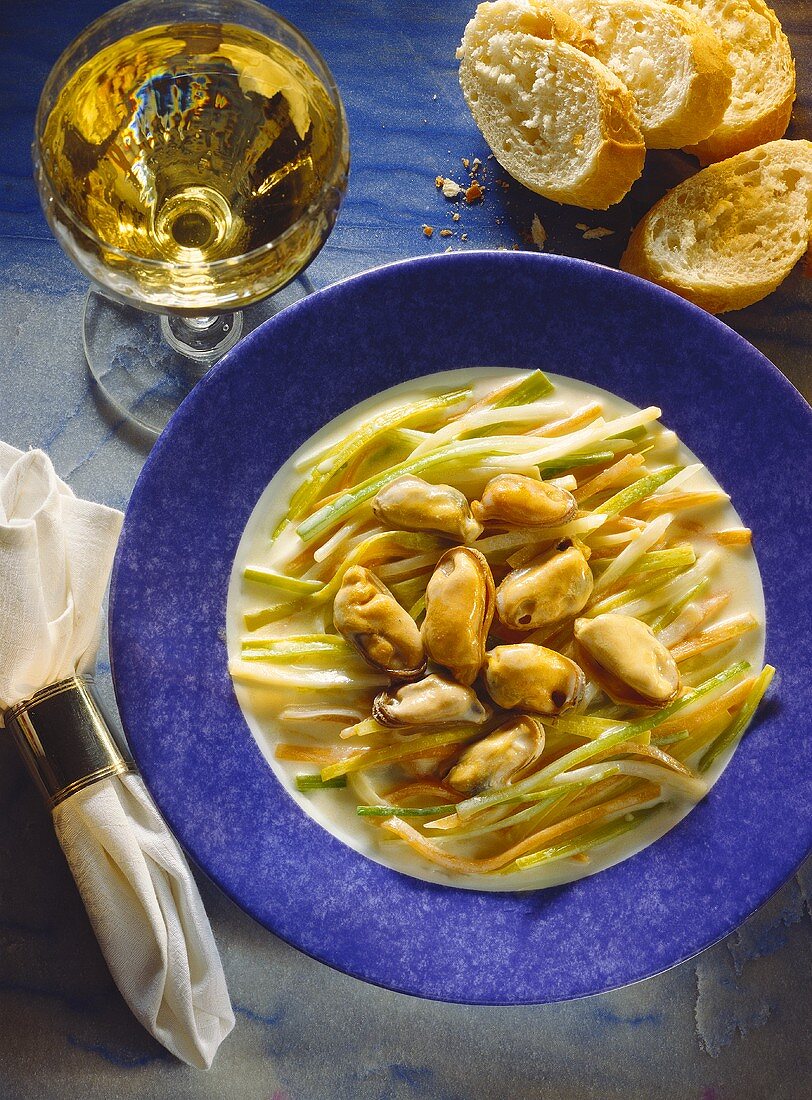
{"x":203,"y":340}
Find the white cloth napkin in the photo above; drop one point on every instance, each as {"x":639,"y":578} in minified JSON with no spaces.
{"x":56,"y":552}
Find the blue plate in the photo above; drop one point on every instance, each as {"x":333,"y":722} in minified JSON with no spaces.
{"x":185,"y":519}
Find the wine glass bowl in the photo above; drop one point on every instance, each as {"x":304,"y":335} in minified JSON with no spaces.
{"x":191,"y":159}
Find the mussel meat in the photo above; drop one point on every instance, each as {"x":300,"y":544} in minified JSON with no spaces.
{"x":530,"y":677}
{"x":547,"y":590}
{"x":521,"y":501}
{"x":500,"y":757}
{"x":411,"y":504}
{"x":459,"y":612}
{"x":430,"y":701}
{"x":625,"y":658}
{"x":369,"y":617}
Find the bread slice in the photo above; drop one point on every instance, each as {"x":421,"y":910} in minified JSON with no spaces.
{"x":674,"y":65}
{"x":726,"y":237}
{"x":763,"y":81}
{"x":555,"y":117}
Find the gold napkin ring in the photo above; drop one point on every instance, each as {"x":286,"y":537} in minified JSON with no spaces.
{"x":65,"y":741}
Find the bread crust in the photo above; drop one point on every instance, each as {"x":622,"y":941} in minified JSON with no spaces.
{"x":693,"y":88}
{"x":769,"y":121}
{"x":619,"y":151}
{"x":717,"y":295}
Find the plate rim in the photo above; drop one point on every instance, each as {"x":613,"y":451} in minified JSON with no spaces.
{"x":259,"y":337}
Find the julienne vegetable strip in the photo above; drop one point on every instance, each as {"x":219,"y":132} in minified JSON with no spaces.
{"x":602,"y":765}
{"x":733,"y":733}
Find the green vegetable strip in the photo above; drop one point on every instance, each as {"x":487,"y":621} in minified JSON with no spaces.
{"x":372,"y":758}
{"x":634,"y":592}
{"x":607,"y":741}
{"x":592,"y":458}
{"x":404,"y":811}
{"x":280,"y":580}
{"x":314,"y":782}
{"x":670,"y":738}
{"x":729,"y":737}
{"x":351,"y":446}
{"x":582,"y":842}
{"x":669,"y":615}
{"x":580,"y":725}
{"x":331,"y":513}
{"x":538,"y":804}
{"x":673,"y":558}
{"x":531,"y":388}
{"x":291,"y":649}
{"x":637,"y":491}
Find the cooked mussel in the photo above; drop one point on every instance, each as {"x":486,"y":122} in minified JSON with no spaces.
{"x":547,"y":590}
{"x":531,"y":677}
{"x":522,"y":501}
{"x":430,"y":701}
{"x":624,"y":656}
{"x":411,"y":504}
{"x":459,"y":612}
{"x":498,"y":758}
{"x":369,"y":617}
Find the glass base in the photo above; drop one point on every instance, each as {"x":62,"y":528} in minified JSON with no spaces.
{"x":144,"y":364}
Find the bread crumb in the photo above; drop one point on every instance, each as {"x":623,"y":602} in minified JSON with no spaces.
{"x":581,"y":225}
{"x":445,"y":232}
{"x":504,"y":185}
{"x":428,"y":230}
{"x":598,"y":232}
{"x":463,"y":236}
{"x":455,"y":217}
{"x":439,"y":182}
{"x":434,"y":96}
{"x":476,"y":164}
{"x":451,"y":189}
{"x":465,"y":162}
{"x":538,"y":233}
{"x":474,"y":193}
{"x":449,"y":249}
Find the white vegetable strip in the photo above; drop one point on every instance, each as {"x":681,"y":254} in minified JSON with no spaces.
{"x":678,"y":480}
{"x":301,"y":713}
{"x":512,"y":539}
{"x":333,"y":543}
{"x":672,"y":591}
{"x":568,"y":482}
{"x":304,"y":679}
{"x":635,"y":550}
{"x":577,"y":441}
{"x":537,"y":412}
{"x":394,"y":570}
{"x":667,"y":777}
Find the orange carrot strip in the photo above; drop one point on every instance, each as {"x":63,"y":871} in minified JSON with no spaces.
{"x":437,"y":855}
{"x":675,"y":502}
{"x":736,"y":536}
{"x":568,"y":424}
{"x":609,"y":477}
{"x":399,"y":796}
{"x":713,"y":636}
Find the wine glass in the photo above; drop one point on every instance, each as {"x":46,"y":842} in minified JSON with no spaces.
{"x":191,"y":157}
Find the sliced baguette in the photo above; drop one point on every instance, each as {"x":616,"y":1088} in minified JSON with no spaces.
{"x":726,"y":237}
{"x":555,"y":117}
{"x":763,"y":80}
{"x":674,"y":65}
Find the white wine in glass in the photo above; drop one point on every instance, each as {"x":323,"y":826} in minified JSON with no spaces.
{"x":191,"y":158}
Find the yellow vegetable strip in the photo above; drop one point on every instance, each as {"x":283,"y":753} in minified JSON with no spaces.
{"x":713,"y":636}
{"x":634,"y":551}
{"x":309,"y":754}
{"x":438,"y":855}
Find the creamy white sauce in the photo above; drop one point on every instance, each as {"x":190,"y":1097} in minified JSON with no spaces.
{"x":737,"y":572}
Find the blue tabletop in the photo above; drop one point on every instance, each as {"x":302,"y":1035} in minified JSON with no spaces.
{"x":731,"y":1024}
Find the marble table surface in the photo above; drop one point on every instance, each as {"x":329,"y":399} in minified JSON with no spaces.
{"x":731,"y":1024}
